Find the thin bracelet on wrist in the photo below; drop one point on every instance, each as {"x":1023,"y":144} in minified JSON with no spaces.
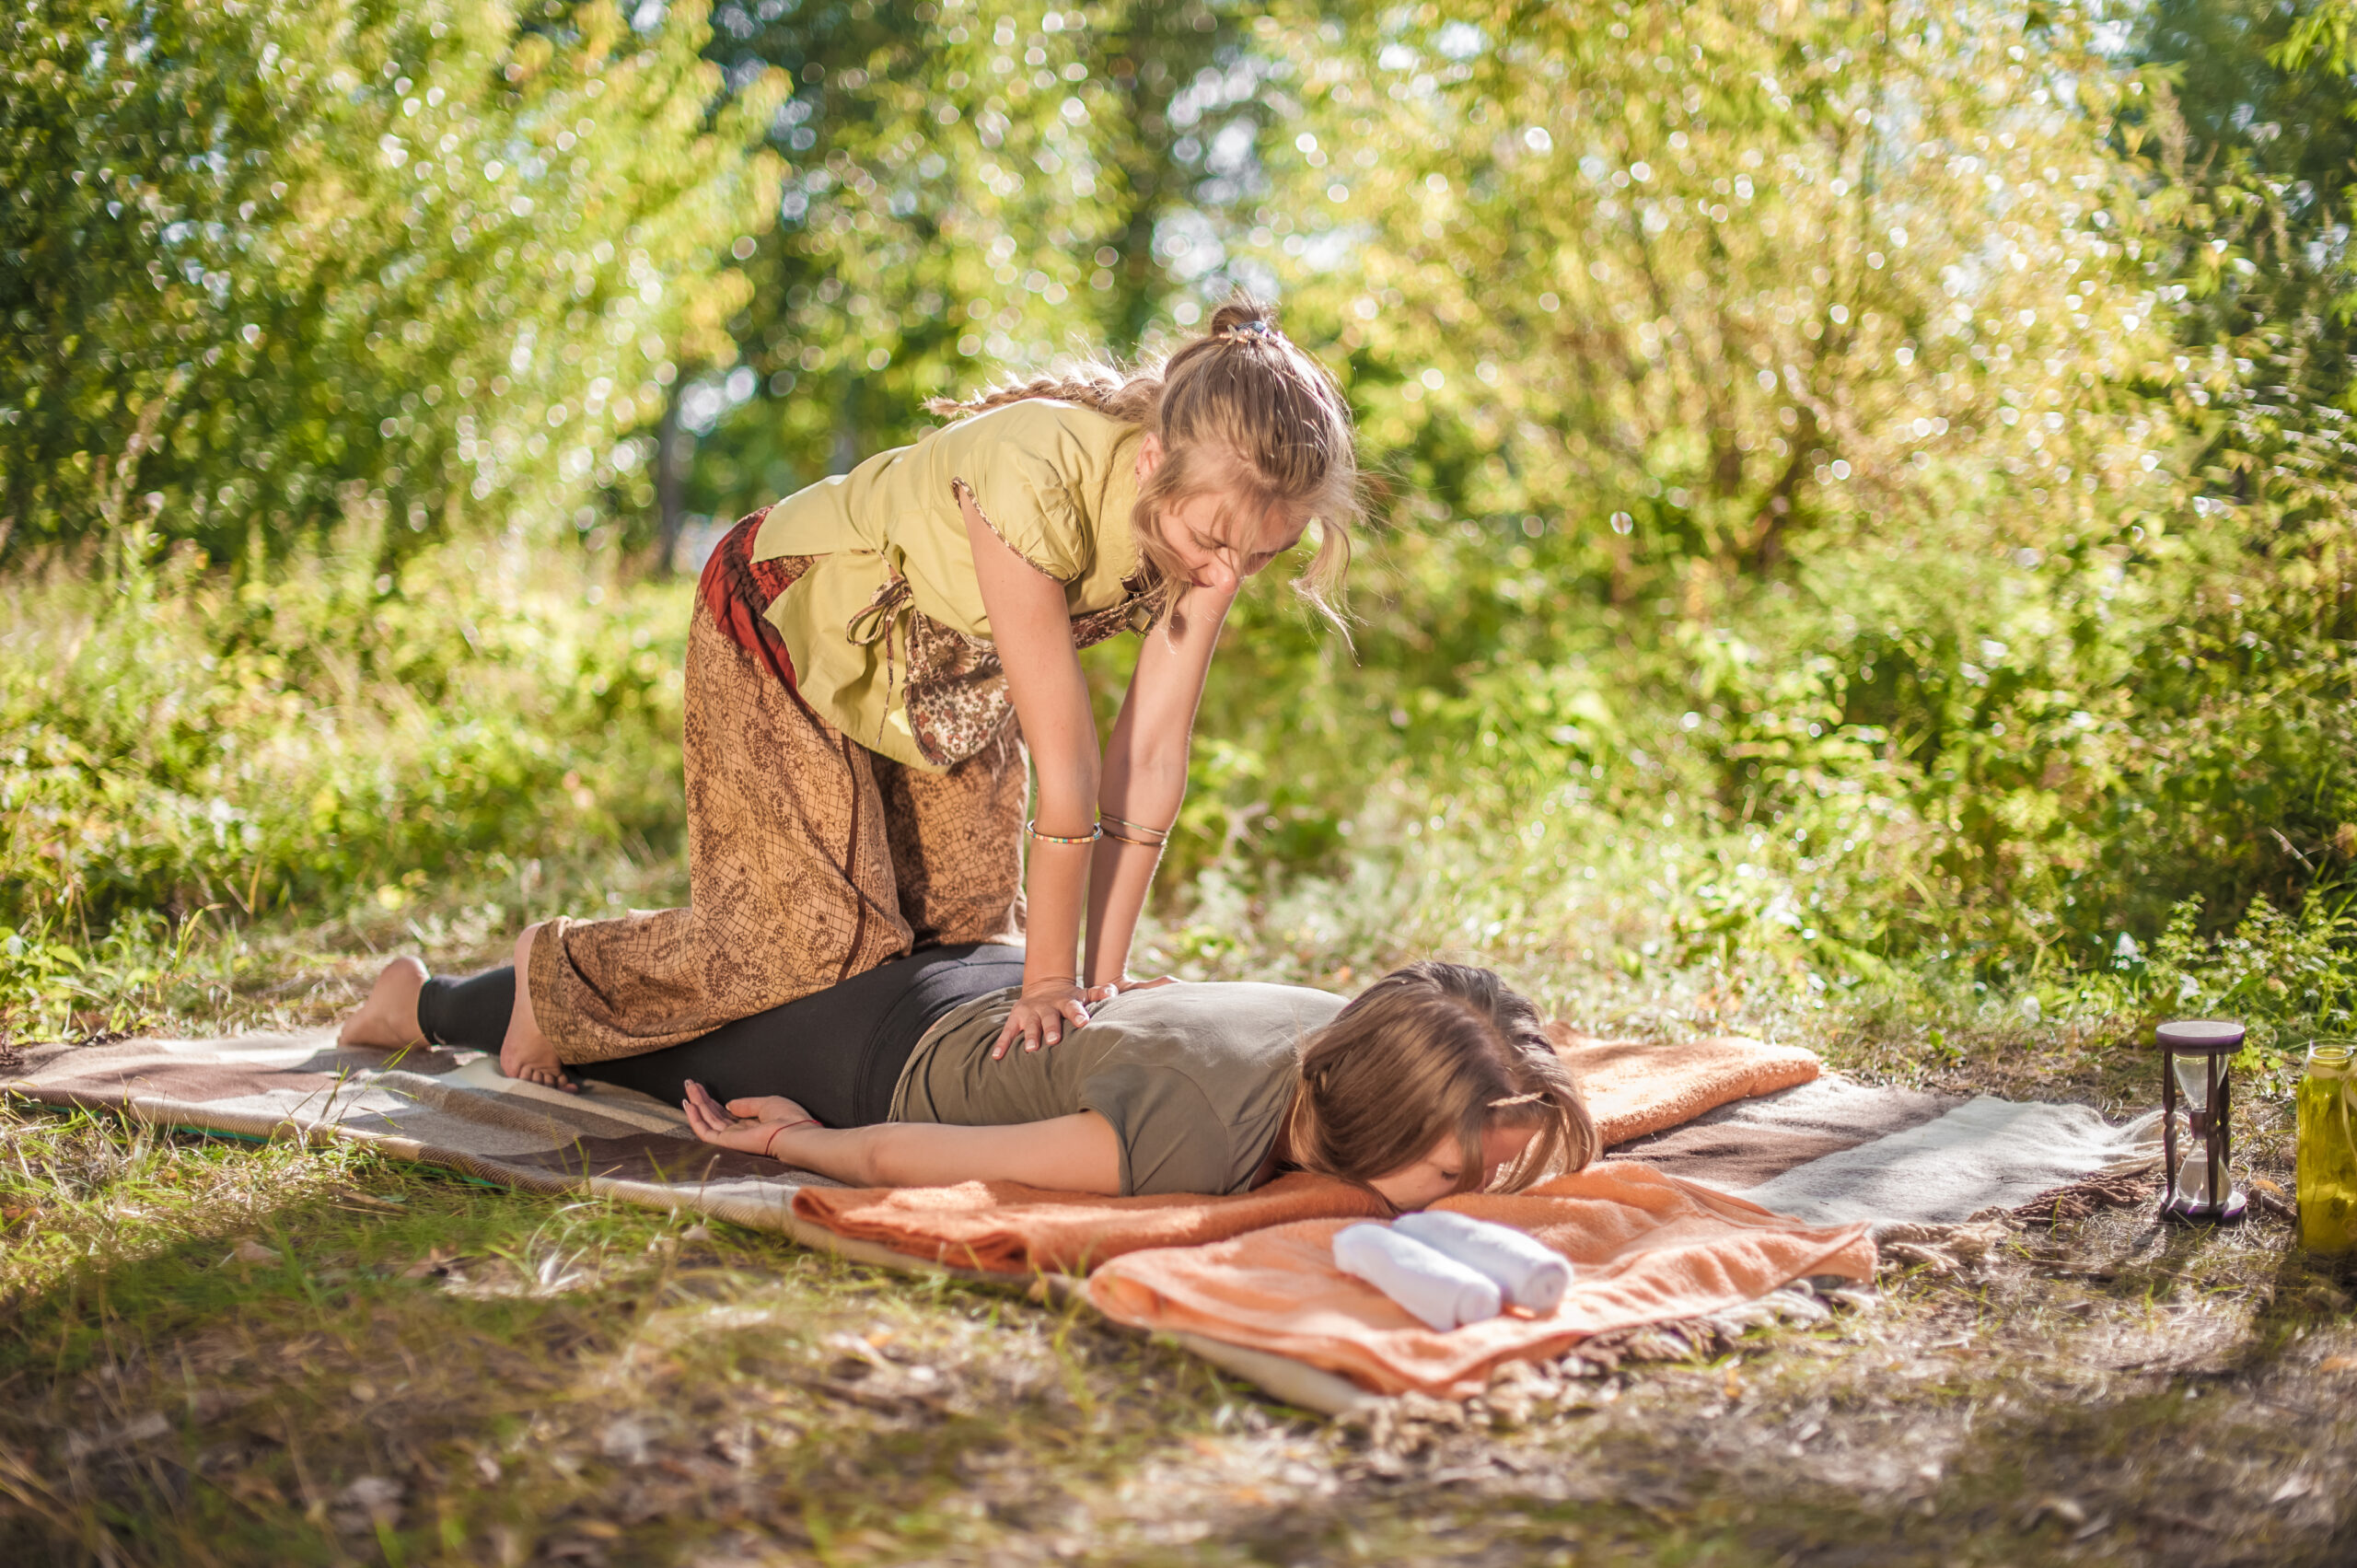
{"x":771,"y":1142}
{"x":1160,"y":834}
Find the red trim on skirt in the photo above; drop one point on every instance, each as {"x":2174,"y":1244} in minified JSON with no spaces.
{"x":738,"y":590}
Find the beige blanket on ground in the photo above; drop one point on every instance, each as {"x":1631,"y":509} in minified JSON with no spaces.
{"x":428,"y":1105}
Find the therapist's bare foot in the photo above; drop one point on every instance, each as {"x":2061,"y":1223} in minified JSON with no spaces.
{"x":526,"y":1054}
{"x":389,"y":1017}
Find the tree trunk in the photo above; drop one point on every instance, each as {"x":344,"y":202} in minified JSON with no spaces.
{"x":673,"y":448}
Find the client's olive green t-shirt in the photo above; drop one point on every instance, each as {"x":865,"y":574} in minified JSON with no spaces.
{"x":1194,"y":1078}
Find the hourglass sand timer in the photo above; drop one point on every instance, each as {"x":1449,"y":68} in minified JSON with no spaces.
{"x":2193,"y":1066}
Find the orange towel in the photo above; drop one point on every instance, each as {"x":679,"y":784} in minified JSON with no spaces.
{"x":1009,"y":1228}
{"x":1645,"y":1247}
{"x":1633,"y":1088}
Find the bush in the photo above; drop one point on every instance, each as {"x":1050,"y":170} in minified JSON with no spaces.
{"x":320,"y":734}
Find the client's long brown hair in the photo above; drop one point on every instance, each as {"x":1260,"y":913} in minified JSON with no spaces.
{"x":1428,"y":1050}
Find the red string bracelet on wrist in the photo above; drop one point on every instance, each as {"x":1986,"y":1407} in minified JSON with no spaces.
{"x":771,"y":1142}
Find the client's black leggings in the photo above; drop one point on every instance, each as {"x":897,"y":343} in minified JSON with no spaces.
{"x":836,"y":1054}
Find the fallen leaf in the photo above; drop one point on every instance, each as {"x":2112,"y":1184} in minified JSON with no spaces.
{"x":255,"y":1487}
{"x":248,"y":1250}
{"x":2265,"y":1186}
{"x":2338,"y":1364}
{"x":2067,"y":1509}
{"x":2298,"y":1486}
{"x":697,"y":1232}
{"x":370,"y":1502}
{"x":141,"y":1428}
{"x":625,"y":1440}
{"x":372,"y":1491}
{"x":853,"y":1346}
{"x":434,"y":1262}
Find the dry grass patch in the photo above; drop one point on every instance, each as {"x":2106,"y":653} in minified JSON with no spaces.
{"x":424,"y":1371}
{"x":231,"y":1353}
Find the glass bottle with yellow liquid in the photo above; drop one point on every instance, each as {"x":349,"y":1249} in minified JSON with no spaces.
{"x":2328,"y":1178}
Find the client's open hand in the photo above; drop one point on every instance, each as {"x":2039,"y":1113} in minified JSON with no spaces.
{"x":748,"y":1125}
{"x":1039,"y":1016}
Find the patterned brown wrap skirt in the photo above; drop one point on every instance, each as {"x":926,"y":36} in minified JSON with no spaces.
{"x":810,"y":858}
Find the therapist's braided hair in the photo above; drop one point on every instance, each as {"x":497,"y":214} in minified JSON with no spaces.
{"x":1242,"y":409}
{"x":1426,"y":1053}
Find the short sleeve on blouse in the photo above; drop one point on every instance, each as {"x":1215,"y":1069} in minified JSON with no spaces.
{"x":1172,"y":1138}
{"x":1018,"y":462}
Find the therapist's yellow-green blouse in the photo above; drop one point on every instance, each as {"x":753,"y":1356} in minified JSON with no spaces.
{"x":886,"y":630}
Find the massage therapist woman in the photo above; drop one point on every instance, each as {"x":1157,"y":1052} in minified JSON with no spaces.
{"x":869,"y":660}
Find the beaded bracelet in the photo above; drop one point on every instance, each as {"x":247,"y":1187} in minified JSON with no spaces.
{"x":1033,"y":828}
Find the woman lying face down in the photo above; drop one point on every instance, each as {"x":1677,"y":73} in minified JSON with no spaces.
{"x":1436,"y":1080}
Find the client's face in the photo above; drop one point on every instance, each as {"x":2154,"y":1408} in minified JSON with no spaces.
{"x":1434,"y":1177}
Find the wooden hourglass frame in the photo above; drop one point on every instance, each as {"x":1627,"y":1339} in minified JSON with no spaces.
{"x":2213,"y":1199}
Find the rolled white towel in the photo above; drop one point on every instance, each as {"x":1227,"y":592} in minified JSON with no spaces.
{"x":1527,"y":1271}
{"x":1440,"y":1291}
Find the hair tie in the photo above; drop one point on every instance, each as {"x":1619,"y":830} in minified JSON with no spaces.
{"x":1516,"y":1100}
{"x":1258,"y":326}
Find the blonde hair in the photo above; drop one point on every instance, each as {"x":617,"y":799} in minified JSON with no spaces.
{"x":1241,"y":409}
{"x":1427,"y":1052}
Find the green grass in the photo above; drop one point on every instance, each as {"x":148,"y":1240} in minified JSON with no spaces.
{"x":190,"y":750}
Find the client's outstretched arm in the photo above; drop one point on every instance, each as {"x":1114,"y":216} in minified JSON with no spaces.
{"x":1071,"y":1154}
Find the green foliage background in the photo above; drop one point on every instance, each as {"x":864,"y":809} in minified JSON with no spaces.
{"x":264,"y":266}
{"x":1860,"y":500}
